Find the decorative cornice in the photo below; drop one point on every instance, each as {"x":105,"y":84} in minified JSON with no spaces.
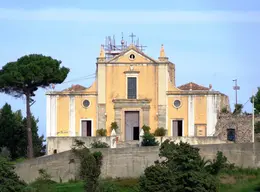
{"x":131,"y":72}
{"x":197,"y":92}
{"x":71,"y":93}
{"x":131,"y":101}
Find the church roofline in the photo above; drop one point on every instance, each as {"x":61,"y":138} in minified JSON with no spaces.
{"x":194,"y":92}
{"x":129,"y":48}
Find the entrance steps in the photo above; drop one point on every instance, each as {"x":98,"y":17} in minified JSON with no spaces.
{"x":127,"y":144}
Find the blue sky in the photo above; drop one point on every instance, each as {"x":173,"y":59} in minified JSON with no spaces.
{"x":210,"y":41}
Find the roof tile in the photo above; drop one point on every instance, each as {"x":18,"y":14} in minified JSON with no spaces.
{"x":193,"y":86}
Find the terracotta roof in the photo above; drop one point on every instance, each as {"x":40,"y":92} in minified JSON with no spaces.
{"x":75,"y":88}
{"x":193,"y":86}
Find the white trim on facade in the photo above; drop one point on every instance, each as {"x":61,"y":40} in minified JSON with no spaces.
{"x":211,"y":114}
{"x":166,"y":103}
{"x":80,"y":129}
{"x":48,"y":116}
{"x":191,"y":128}
{"x":72,"y":115}
{"x":52,"y":116}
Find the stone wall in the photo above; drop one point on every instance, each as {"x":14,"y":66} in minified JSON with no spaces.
{"x":61,"y":144}
{"x":131,"y":162}
{"x":242,"y":124}
{"x":192,"y":140}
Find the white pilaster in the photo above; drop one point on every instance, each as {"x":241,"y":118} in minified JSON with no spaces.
{"x":211,"y":114}
{"x":53,"y":115}
{"x":167,"y":84}
{"x":101,"y":84}
{"x":72,"y":131}
{"x":191,"y":116}
{"x":48,"y":116}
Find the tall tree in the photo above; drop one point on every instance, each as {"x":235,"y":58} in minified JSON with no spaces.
{"x":13,"y":134}
{"x":38,"y":141}
{"x":257,"y":101}
{"x":24,"y":76}
{"x":8,"y":124}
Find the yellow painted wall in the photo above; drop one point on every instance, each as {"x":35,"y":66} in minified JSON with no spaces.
{"x":200,"y":109}
{"x":180,"y":113}
{"x":200,"y":130}
{"x":200,"y":114}
{"x":85,"y":113}
{"x":116,"y":88}
{"x":63,"y":116}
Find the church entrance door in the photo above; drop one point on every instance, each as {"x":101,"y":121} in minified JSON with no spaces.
{"x":177,"y":128}
{"x":131,"y":125}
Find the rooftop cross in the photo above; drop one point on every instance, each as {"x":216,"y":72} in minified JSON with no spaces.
{"x":132,"y":36}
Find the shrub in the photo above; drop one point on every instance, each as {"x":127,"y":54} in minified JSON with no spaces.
{"x":9,"y":181}
{"x":90,"y":166}
{"x":148,"y":138}
{"x":102,"y":132}
{"x":257,"y":127}
{"x":160,"y":132}
{"x":224,"y":110}
{"x":238,"y":109}
{"x":99,"y":144}
{"x":114,"y":126}
{"x":146,"y":128}
{"x":43,"y":183}
{"x":4,"y":152}
{"x":182,"y":169}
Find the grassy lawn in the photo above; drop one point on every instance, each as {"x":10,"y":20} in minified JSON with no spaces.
{"x":242,"y":180}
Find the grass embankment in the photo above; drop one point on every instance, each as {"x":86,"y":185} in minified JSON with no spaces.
{"x":239,"y":180}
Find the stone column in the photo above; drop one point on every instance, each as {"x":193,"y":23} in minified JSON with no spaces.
{"x":101,"y":116}
{"x":118,"y":118}
{"x":146,"y":113}
{"x":162,"y":116}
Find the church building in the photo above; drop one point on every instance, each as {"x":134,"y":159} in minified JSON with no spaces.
{"x":134,"y":89}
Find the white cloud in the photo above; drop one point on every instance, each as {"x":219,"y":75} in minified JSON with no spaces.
{"x":130,"y":17}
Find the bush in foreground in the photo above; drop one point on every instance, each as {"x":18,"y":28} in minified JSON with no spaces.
{"x":9,"y":181}
{"x":160,"y":132}
{"x":102,"y":132}
{"x":90,"y":166}
{"x":99,"y":144}
{"x":148,"y":138}
{"x":182,"y":169}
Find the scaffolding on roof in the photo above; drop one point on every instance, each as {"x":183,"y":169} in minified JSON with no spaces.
{"x":112,"y":49}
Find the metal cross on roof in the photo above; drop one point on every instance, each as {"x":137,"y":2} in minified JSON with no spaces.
{"x":132,"y":36}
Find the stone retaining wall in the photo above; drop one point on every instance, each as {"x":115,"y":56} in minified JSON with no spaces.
{"x":131,"y":162}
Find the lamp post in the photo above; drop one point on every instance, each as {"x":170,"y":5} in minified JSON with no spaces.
{"x":253,"y":118}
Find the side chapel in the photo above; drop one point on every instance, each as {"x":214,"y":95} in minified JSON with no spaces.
{"x":134,"y":89}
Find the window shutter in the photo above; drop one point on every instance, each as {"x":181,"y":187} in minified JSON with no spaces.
{"x":131,"y":87}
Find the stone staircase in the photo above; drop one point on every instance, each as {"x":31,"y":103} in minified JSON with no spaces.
{"x":127,"y":144}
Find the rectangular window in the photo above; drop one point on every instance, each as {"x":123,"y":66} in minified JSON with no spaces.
{"x":231,"y":135}
{"x":131,"y":87}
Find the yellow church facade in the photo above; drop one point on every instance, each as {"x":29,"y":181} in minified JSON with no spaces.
{"x":134,"y":89}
